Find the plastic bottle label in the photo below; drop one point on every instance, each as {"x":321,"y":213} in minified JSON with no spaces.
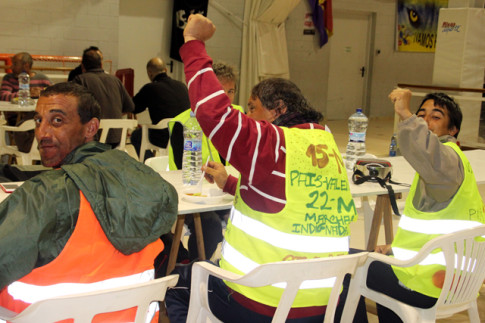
{"x":192,"y":145}
{"x":357,"y":136}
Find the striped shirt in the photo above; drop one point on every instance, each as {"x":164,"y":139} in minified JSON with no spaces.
{"x":255,"y":148}
{"x":10,"y":85}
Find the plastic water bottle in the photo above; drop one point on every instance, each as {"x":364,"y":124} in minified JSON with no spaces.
{"x":393,"y":146}
{"x":24,"y":89}
{"x":192,"y":157}
{"x":356,"y":146}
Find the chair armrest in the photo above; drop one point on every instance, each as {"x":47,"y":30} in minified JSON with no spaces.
{"x":374,"y":256}
{"x":203,"y":266}
{"x":6,"y":314}
{"x":162,"y":124}
{"x":20,"y":128}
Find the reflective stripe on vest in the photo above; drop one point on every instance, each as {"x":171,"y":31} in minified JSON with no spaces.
{"x":314,"y":222}
{"x":310,"y":244}
{"x":416,"y":228}
{"x":30,"y":293}
{"x":435,"y":226}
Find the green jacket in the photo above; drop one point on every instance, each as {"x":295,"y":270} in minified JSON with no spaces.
{"x":133,"y":204}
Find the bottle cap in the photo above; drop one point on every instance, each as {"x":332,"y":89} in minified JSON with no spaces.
{"x":359,"y":110}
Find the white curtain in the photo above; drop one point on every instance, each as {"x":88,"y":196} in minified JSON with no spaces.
{"x":264,"y":49}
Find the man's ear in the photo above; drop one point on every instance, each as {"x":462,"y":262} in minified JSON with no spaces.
{"x":280,"y":108}
{"x":452,"y":131}
{"x":92,"y":129}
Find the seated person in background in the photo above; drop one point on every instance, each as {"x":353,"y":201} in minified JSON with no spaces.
{"x":441,"y":197}
{"x":227,"y":76}
{"x":75,"y":223}
{"x":22,"y":62}
{"x":268,"y":222}
{"x":164,"y":97}
{"x":211,"y":225}
{"x":79,"y":69}
{"x":108,"y":90}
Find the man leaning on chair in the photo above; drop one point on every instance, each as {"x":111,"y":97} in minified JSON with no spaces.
{"x":443,"y":185}
{"x":74,"y":224}
{"x":164,"y":97}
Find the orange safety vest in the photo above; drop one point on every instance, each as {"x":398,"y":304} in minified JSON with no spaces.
{"x":88,"y":262}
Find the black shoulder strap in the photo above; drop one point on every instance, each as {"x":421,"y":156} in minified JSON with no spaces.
{"x":392,"y":195}
{"x":357,"y":178}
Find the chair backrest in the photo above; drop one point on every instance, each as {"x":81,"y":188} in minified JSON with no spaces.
{"x":145,"y":140}
{"x":464,"y":253}
{"x":158,"y":164}
{"x":127,"y":77}
{"x":106,"y":124}
{"x":83,"y":307}
{"x":25,"y":158}
{"x":294,"y":273}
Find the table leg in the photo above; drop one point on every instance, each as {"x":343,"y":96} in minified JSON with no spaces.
{"x":387,"y":212}
{"x":382,"y":209}
{"x":368,"y":212}
{"x":376,"y":222}
{"x":175,"y":243}
{"x":199,"y":235}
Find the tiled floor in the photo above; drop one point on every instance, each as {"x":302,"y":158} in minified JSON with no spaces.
{"x":377,"y":142}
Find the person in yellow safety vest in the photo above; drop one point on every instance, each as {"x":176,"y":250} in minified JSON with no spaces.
{"x":175,"y":150}
{"x":211,"y":221}
{"x":443,"y":198}
{"x":227,"y":76}
{"x":292,"y":199}
{"x":72,"y":229}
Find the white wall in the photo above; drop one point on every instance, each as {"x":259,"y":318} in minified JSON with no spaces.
{"x":130,"y":32}
{"x":59,"y":27}
{"x":225,"y":46}
{"x":309,"y":64}
{"x":144,"y":32}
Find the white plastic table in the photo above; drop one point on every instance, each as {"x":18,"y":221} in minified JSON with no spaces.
{"x":402,"y":173}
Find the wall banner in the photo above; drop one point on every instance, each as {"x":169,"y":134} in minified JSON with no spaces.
{"x":417,"y":22}
{"x":182,"y":9}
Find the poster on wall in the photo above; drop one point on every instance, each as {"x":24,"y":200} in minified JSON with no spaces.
{"x":182,"y":9}
{"x":417,"y":23}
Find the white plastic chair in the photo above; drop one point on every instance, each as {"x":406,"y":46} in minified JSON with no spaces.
{"x":22,"y":158}
{"x":158,"y":164}
{"x":83,"y":307}
{"x":464,"y":257}
{"x":291,"y":272}
{"x":145,"y":142}
{"x":123,"y":124}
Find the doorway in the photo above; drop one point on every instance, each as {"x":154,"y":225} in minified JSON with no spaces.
{"x":349,"y":64}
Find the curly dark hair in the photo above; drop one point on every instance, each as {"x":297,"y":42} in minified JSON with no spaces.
{"x":225,"y":71}
{"x":274,"y":92}
{"x":446,"y":102}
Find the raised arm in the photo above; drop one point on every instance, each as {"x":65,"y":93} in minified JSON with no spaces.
{"x":229,"y":130}
{"x":438,"y":165}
